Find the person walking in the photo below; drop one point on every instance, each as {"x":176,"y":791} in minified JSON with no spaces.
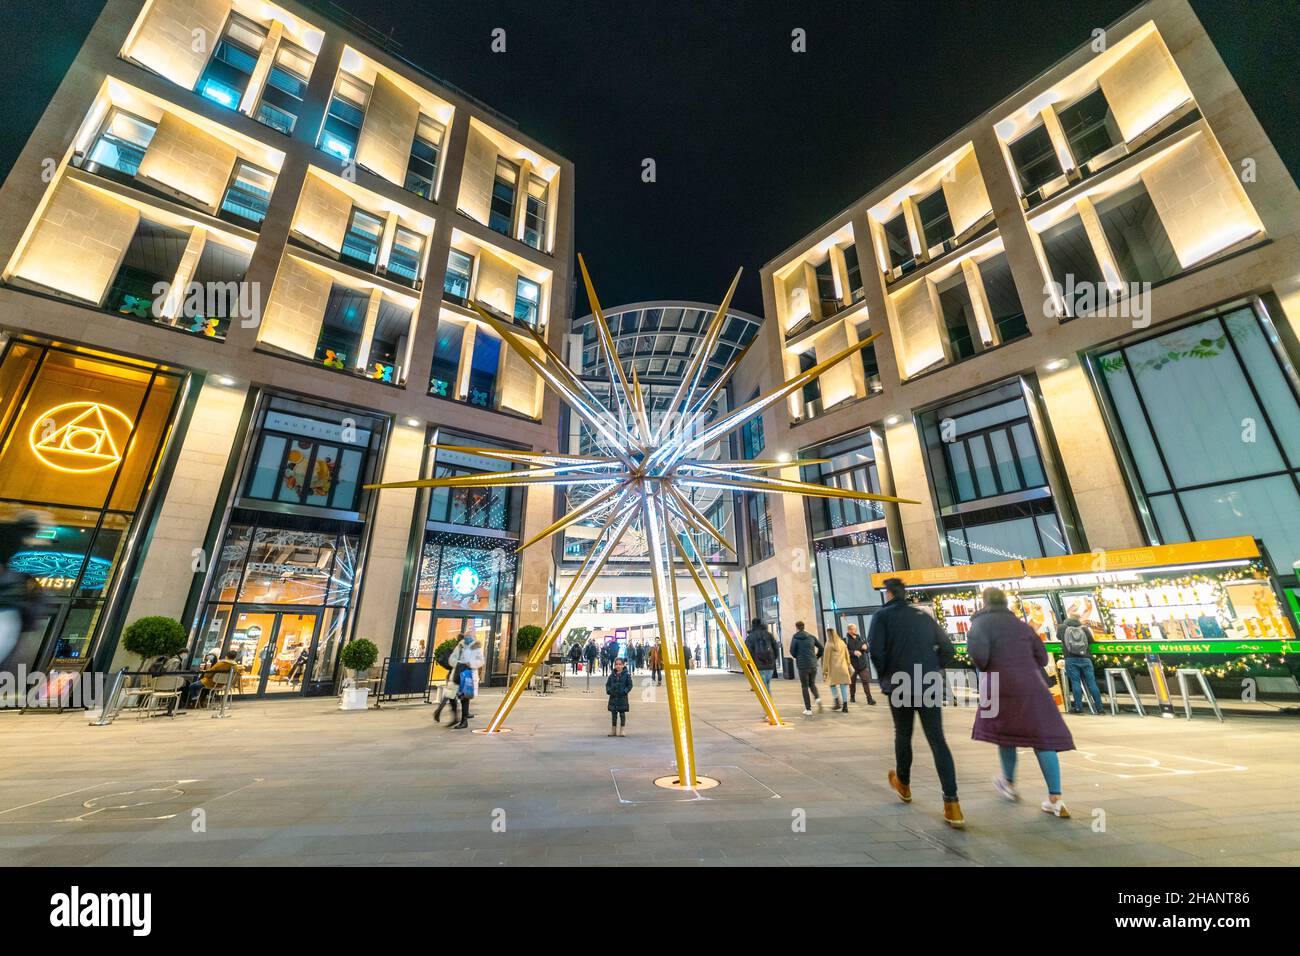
{"x":589,"y":654}
{"x":1076,"y":641}
{"x":575,"y":655}
{"x":806,"y":651}
{"x":471,"y":656}
{"x":860,"y":662}
{"x":618,"y":686}
{"x":450,"y":685}
{"x":910,"y":650}
{"x":762,"y":651}
{"x":657,"y":663}
{"x":640,"y":655}
{"x":465,"y":693}
{"x":837,"y":669}
{"x":21,"y":601}
{"x":1016,"y":708}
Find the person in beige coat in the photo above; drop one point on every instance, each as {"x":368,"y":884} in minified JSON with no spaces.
{"x":838,"y":669}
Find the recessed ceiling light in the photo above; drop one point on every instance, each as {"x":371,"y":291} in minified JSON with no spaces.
{"x":413,"y":422}
{"x":1055,"y":365}
{"x":225,"y":380}
{"x":893,"y":420}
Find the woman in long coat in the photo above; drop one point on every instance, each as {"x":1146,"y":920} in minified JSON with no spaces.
{"x":837,"y":666}
{"x":1016,"y":709}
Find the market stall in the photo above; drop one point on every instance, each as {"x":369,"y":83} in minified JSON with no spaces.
{"x":1216,"y":604}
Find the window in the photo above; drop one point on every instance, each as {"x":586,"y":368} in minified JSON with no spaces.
{"x":1089,"y":127}
{"x":1003,"y":299}
{"x":501,"y":216}
{"x":936,"y":224}
{"x":826,"y":292}
{"x":854,"y":272}
{"x":248,"y":197}
{"x":406,"y":258}
{"x":491,"y":508}
{"x":1074,"y":265}
{"x":535,"y":212}
{"x":219,"y":276}
{"x":898,"y":244}
{"x":460,"y":269}
{"x":758,"y":520}
{"x":361,"y":241}
{"x":767,"y":606}
{"x":1035,"y":160}
{"x":989,"y":477}
{"x":387,"y":347}
{"x":152,"y":257}
{"x":812,"y":392}
{"x":311,"y":455}
{"x":341,"y":327}
{"x":1181,"y":399}
{"x":286,"y":85}
{"x":121,"y":143}
{"x":347,"y":111}
{"x":958,"y":318}
{"x":1136,"y":236}
{"x":851,"y":466}
{"x":483,"y":367}
{"x":446,"y":359}
{"x":871,"y":366}
{"x":227,"y":74}
{"x":527,"y":301}
{"x":752,"y":440}
{"x":422,"y":168}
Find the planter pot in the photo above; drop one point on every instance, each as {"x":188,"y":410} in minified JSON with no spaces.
{"x":355,"y":698}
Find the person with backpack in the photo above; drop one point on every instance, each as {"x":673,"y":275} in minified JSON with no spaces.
{"x":806,"y":651}
{"x":1076,"y":641}
{"x":618,"y":686}
{"x":762,"y":651}
{"x":589,"y":654}
{"x":1016,"y":708}
{"x":575,"y":655}
{"x":910,"y":650}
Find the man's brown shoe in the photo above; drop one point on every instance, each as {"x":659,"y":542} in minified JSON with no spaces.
{"x":903,"y":790}
{"x":952,"y":814}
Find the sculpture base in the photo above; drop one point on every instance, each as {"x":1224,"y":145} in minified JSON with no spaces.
{"x":499,"y":730}
{"x":673,"y":782}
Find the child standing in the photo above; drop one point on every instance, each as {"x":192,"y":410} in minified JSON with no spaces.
{"x":618,"y":686}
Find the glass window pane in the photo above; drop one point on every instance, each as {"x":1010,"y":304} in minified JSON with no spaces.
{"x":1266,"y":508}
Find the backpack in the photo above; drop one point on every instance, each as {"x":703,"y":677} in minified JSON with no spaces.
{"x":1075,"y":641}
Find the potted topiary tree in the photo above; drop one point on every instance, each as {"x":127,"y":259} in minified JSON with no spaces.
{"x":526,"y":639}
{"x":154,"y":636}
{"x":358,"y":657}
{"x":440,"y":654}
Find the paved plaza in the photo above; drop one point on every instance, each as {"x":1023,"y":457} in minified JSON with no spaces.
{"x":299,"y":782}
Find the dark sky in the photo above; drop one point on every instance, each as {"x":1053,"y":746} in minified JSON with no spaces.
{"x":754,"y":144}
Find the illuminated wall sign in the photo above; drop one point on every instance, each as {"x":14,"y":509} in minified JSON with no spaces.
{"x":465,"y":580}
{"x":78,"y":437}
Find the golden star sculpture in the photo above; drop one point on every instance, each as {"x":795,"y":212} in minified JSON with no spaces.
{"x":644,"y":481}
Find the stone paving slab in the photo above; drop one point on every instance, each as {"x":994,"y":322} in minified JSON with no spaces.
{"x":296,"y":782}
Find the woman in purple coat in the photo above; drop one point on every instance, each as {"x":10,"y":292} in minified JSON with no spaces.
{"x":1016,"y":708}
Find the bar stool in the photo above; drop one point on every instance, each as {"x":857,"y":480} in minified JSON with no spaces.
{"x":1186,"y":672}
{"x":1127,"y":678}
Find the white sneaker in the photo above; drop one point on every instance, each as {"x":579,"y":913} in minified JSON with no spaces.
{"x":807,"y":712}
{"x":1006,"y":788}
{"x":1056,"y":808}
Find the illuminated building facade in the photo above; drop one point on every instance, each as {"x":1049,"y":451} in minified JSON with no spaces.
{"x":237,"y":252}
{"x":1089,"y":302}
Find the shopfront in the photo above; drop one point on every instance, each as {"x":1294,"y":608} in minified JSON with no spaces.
{"x":1210,"y":604}
{"x":467,"y":566}
{"x":83,"y":434}
{"x":281,"y":592}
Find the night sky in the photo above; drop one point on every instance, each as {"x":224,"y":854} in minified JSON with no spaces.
{"x":754,"y":144}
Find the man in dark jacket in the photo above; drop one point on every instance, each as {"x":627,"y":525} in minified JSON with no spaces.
{"x":589,"y":654}
{"x":860,"y":659}
{"x":806,"y":651}
{"x":762,"y":650}
{"x":910,"y":651}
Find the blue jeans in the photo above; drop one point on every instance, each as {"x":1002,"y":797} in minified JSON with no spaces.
{"x":1079,"y":671}
{"x":840,"y":692}
{"x":1048,"y":762}
{"x":767,"y":680}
